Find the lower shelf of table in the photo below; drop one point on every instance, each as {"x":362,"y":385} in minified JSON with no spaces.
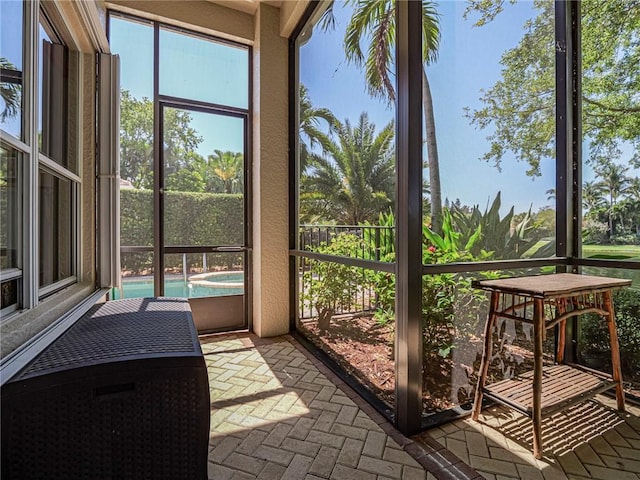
{"x":562,"y":386}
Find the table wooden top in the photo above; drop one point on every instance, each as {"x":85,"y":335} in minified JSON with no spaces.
{"x":554,"y":285}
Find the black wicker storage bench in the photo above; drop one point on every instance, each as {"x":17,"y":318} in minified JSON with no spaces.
{"x":122,"y":394}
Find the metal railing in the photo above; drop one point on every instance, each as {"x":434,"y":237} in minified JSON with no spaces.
{"x":378,"y":240}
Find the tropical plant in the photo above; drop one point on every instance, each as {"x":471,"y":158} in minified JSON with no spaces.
{"x":228,"y":167}
{"x":592,"y":195}
{"x":310,"y":133}
{"x":354,"y":181}
{"x":331,"y":285}
{"x":501,"y":238}
{"x":380,"y":238}
{"x":374,"y":20}
{"x":594,"y":336}
{"x":451,"y":307}
{"x":10,"y":93}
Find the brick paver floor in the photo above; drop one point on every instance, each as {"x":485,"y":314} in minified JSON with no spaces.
{"x":590,"y":440}
{"x":279,"y":413}
{"x":275,"y":414}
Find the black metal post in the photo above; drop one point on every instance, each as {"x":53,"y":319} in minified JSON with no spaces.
{"x":571,"y":346}
{"x":158,"y":172}
{"x":408,"y":348}
{"x":564,"y":132}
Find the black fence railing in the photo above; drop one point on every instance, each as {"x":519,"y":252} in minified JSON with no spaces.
{"x":377,"y":241}
{"x":359,"y":294}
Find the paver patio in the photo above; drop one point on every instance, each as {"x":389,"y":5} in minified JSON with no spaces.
{"x":279,"y":413}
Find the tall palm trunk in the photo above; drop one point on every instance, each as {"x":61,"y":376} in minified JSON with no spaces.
{"x":432,"y":156}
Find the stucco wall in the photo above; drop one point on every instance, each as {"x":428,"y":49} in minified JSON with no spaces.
{"x":270,"y":176}
{"x":200,"y":16}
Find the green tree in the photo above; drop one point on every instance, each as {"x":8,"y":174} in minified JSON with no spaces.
{"x":375,"y":21}
{"x":519,"y":109}
{"x":136,"y":140}
{"x":228,"y":167}
{"x":189,"y":179}
{"x":354,"y":181}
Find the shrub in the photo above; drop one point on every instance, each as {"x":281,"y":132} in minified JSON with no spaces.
{"x":594,"y":336}
{"x":331,"y":285}
{"x":190,"y":219}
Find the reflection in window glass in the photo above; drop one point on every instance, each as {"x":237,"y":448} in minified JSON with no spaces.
{"x":10,"y":227}
{"x":453,"y":319}
{"x":203,"y":69}
{"x":53,"y":85}
{"x":489,"y":110}
{"x":11,"y":51}
{"x":611,"y":129}
{"x":10,"y":208}
{"x":55,"y":229}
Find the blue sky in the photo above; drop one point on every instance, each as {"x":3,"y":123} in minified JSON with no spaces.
{"x":183,"y":73}
{"x":468,"y":61}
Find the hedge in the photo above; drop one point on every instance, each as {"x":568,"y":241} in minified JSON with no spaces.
{"x":190,"y":219}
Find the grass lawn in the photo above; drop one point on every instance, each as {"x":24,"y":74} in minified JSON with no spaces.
{"x":617,"y":252}
{"x":611,"y":252}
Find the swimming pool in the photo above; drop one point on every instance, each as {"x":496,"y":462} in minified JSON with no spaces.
{"x":213,"y":284}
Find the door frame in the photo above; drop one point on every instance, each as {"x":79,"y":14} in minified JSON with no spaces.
{"x":159,"y":248}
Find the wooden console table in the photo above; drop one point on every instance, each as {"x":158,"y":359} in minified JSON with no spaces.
{"x":546,"y":301}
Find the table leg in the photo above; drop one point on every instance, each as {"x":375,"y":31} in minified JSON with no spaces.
{"x":562,"y":330}
{"x":486,"y":354}
{"x":538,"y":331}
{"x":615,"y":349}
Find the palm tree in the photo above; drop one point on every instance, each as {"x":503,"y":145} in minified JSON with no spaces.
{"x":592,"y":196}
{"x":376,"y":20}
{"x":228,"y":167}
{"x":354,"y":181}
{"x":551,"y":194}
{"x":614,"y":182}
{"x":310,"y":118}
{"x":10,"y":93}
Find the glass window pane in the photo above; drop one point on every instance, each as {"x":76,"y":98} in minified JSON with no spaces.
{"x":10,"y":208}
{"x":9,"y":293}
{"x":55,"y":229}
{"x":203,"y":69}
{"x":594,"y":350}
{"x":136,"y":64}
{"x":453,"y":319}
{"x":136,"y":152}
{"x":11,"y":53}
{"x":346,"y":125}
{"x":489,"y":111}
{"x":611,"y":129}
{"x":204,"y":178}
{"x":348,"y":312}
{"x":53,"y":83}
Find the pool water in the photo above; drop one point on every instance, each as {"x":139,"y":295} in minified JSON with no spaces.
{"x":174,"y":288}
